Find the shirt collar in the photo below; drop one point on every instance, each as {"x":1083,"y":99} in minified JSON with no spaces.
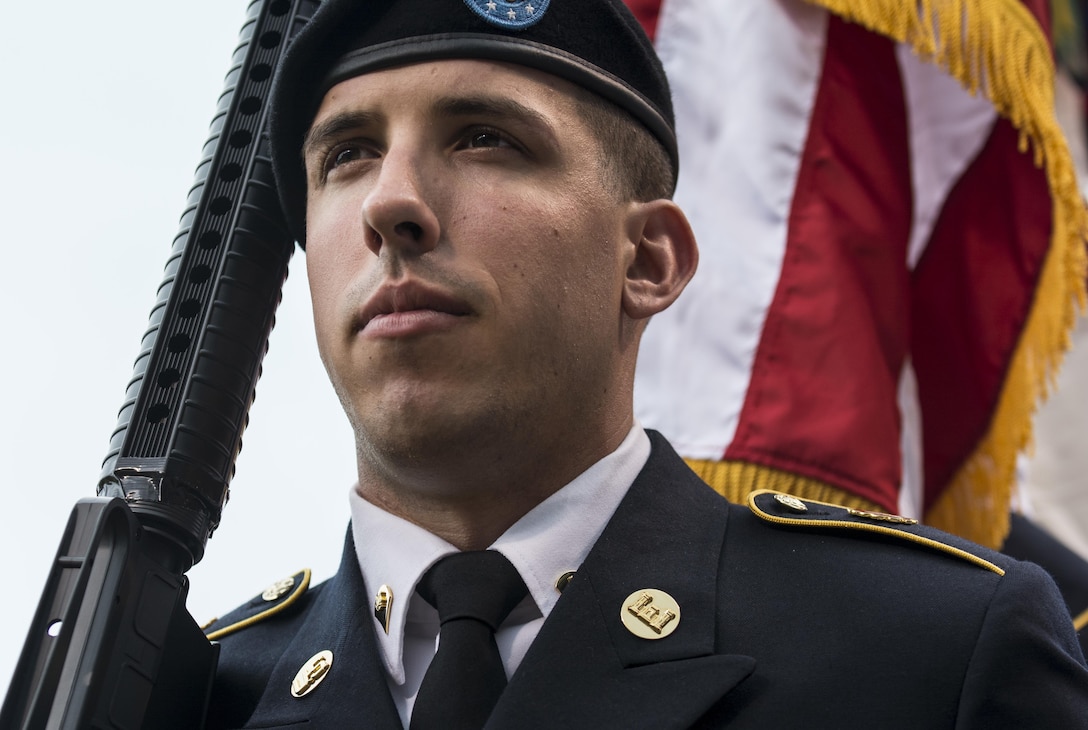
{"x":551,"y":539}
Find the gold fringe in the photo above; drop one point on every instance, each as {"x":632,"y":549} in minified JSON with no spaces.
{"x":734,"y":480}
{"x":996,"y":47}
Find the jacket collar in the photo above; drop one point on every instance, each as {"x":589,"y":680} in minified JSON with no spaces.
{"x":667,"y":534}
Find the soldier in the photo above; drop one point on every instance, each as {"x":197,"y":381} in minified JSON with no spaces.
{"x":483,"y":192}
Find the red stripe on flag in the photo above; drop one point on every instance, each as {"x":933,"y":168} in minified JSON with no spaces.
{"x":972,"y":292}
{"x":822,"y":401}
{"x":647,"y":12}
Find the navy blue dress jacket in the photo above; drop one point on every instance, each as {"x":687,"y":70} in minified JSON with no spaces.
{"x":789,"y":619}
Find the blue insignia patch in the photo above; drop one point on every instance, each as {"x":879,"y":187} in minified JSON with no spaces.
{"x":509,"y":14}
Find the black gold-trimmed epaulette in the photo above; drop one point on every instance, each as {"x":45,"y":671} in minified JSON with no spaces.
{"x":785,"y":509}
{"x":274,"y":599}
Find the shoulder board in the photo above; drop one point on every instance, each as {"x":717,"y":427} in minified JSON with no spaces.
{"x":785,"y":509}
{"x":274,"y":599}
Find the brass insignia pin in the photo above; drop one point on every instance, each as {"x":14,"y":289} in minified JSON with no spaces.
{"x":313,"y":672}
{"x":564,"y":580}
{"x":790,"y":502}
{"x":383,"y":606}
{"x":278,"y":589}
{"x":650,"y":613}
{"x":882,"y":517}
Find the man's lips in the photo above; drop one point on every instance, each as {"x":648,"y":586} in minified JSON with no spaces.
{"x":408,"y":308}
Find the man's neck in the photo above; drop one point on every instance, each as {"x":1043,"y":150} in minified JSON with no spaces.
{"x":471,"y":502}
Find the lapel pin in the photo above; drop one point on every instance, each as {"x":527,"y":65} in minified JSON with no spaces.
{"x":650,"y":613}
{"x":564,"y":580}
{"x":383,"y":606}
{"x":313,"y":673}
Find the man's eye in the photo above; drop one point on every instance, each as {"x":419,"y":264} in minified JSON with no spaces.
{"x":349,"y":152}
{"x":343,"y":156}
{"x":486,"y":138}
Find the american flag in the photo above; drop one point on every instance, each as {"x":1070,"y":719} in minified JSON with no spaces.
{"x":892,"y":245}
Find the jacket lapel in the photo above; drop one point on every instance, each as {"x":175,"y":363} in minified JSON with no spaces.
{"x":354,"y":693}
{"x":585,"y":669}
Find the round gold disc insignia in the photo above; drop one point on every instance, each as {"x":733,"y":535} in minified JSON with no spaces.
{"x":650,"y":613}
{"x":313,"y":672}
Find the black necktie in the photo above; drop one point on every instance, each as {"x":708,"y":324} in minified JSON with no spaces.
{"x":474,"y":592}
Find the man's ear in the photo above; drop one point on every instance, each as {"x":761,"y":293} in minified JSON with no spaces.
{"x":665,"y":257}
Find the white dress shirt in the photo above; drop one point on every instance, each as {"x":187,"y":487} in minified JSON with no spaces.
{"x":553,"y":538}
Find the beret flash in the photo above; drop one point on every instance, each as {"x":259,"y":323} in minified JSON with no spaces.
{"x":596,"y":44}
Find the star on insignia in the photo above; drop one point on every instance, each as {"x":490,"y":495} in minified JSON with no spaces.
{"x":491,"y":6}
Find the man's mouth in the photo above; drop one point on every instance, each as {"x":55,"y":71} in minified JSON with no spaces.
{"x":409,"y":308}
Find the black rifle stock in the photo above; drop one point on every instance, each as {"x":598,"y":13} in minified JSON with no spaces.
{"x":111,"y":644}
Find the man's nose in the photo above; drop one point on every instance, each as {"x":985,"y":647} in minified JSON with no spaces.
{"x":397,"y":212}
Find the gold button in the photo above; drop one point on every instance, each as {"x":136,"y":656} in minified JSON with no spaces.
{"x":564,"y":580}
{"x":790,"y":502}
{"x":313,"y":672}
{"x":278,"y":589}
{"x":650,"y":613}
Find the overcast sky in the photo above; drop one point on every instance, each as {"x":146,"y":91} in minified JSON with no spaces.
{"x":106,"y":108}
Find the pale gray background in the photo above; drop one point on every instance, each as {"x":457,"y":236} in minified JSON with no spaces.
{"x":105,"y":109}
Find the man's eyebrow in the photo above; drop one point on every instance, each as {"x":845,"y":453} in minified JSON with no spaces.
{"x":334,"y":127}
{"x":493,"y":107}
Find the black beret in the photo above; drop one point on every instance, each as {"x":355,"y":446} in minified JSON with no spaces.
{"x":596,"y":44}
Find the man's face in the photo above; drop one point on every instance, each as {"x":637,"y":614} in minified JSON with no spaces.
{"x":466,"y":260}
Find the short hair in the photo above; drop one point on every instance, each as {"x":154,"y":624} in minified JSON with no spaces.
{"x":635,"y":163}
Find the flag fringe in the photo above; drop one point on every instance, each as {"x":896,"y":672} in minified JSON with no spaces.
{"x":997,"y":48}
{"x":734,"y":480}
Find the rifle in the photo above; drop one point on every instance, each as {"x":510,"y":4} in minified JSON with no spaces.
{"x":111,"y":644}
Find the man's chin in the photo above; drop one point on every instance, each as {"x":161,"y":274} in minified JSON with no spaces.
{"x":415,"y":433}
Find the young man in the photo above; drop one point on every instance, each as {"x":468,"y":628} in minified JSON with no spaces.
{"x":482,"y":189}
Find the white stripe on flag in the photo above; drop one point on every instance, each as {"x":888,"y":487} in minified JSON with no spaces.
{"x":744,"y":75}
{"x":947,"y":128}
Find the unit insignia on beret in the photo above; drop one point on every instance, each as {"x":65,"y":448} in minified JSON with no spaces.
{"x":510,"y":14}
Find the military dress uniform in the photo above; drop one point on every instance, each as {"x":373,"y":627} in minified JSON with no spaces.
{"x":687,"y":610}
{"x":790,"y":614}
